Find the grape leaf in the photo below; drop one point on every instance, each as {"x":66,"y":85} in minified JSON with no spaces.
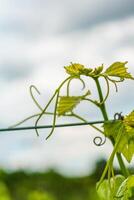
{"x":129,"y":120}
{"x":126,"y":144}
{"x":105,"y":192}
{"x":111,"y":128}
{"x":68,"y":103}
{"x":74,"y":69}
{"x":118,"y":69}
{"x":126,"y":189}
{"x":96,"y":71}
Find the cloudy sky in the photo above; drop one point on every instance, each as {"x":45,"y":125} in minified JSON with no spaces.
{"x":38,"y":38}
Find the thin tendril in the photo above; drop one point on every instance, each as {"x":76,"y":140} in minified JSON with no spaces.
{"x":54,"y":119}
{"x":118,"y":116}
{"x":116,"y":87}
{"x":100,"y":142}
{"x":42,"y":113}
{"x":31,"y":93}
{"x":24,"y":120}
{"x":44,"y":110}
{"x":68,"y":84}
{"x":115,"y":82}
{"x":82,"y":119}
{"x":82,"y":83}
{"x":107,"y":90}
{"x":93,"y":126}
{"x":92,"y":101}
{"x":28,"y":118}
{"x":99,"y":103}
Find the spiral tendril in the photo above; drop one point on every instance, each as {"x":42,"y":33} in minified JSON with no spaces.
{"x":98,"y":141}
{"x":118,"y":116}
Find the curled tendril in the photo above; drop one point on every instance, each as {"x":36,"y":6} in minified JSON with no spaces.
{"x":28,"y":118}
{"x":118,"y":116}
{"x":83,"y":83}
{"x":115,"y":82}
{"x":98,"y":141}
{"x":54,"y":119}
{"x":43,"y":111}
{"x":107,"y":94}
{"x":31,"y":93}
{"x":24,"y":120}
{"x":116,"y":87}
{"x":68,"y":84}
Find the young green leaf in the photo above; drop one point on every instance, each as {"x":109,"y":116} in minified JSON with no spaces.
{"x":126,"y":144}
{"x":96,"y":71}
{"x":105,"y":192}
{"x":74,"y":69}
{"x":111,"y":128}
{"x":126,"y":189}
{"x":68,"y":103}
{"x":129,"y":121}
{"x":118,"y":69}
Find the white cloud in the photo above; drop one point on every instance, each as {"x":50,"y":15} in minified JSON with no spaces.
{"x":33,"y":18}
{"x":105,"y":43}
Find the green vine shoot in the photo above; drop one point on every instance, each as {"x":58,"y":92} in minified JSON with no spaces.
{"x":120,"y":130}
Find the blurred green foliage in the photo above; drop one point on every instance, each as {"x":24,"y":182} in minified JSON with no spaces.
{"x":49,"y":185}
{"x":34,"y":195}
{"x":4,"y":193}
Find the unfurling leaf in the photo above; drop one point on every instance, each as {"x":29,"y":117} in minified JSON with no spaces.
{"x":118,"y":69}
{"x":74,"y":69}
{"x":97,"y":70}
{"x":126,"y":144}
{"x":68,"y":103}
{"x":126,"y":189}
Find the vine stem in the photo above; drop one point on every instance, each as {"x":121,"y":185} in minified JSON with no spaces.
{"x":105,"y":116}
{"x":110,"y":161}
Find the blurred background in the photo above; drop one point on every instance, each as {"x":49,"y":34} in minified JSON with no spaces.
{"x":38,"y":38}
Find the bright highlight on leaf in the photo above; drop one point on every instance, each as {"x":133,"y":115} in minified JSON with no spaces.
{"x":118,"y":69}
{"x":126,"y":189}
{"x":74,"y":69}
{"x":68,"y":103}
